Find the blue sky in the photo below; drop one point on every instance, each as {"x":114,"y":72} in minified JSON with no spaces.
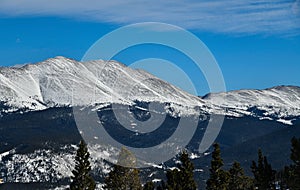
{"x":256,"y":43}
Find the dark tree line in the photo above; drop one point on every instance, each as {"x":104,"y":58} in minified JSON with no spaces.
{"x":124,"y":175}
{"x":220,"y":179}
{"x":264,"y":176}
{"x":289,"y":177}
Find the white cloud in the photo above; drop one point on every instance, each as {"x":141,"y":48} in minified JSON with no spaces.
{"x":224,"y":16}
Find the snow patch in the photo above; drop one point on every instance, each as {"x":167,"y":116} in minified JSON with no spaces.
{"x":288,"y":122}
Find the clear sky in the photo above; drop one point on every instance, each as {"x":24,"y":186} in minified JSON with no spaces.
{"x":255,"y":42}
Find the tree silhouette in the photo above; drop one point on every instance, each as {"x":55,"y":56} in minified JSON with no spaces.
{"x":264,"y":175}
{"x":290,"y":176}
{"x":237,"y":178}
{"x":295,"y":157}
{"x":123,"y":175}
{"x":149,"y":186}
{"x":183,"y":177}
{"x":81,"y":179}
{"x":218,"y":178}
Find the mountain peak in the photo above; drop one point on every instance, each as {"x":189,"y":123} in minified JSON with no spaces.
{"x":52,"y":82}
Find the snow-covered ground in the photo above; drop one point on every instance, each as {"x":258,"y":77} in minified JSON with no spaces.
{"x":48,"y":166}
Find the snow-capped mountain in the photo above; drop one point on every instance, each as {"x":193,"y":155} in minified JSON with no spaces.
{"x":279,"y":102}
{"x":61,"y":81}
{"x":39,"y":146}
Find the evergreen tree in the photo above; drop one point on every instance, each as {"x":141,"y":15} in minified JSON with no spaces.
{"x":295,"y":157}
{"x":149,"y":186}
{"x":264,"y":175}
{"x":183,"y":177}
{"x":81,"y":179}
{"x":162,"y":186}
{"x":124,"y":176}
{"x":218,"y":178}
{"x":186,"y":169}
{"x":290,"y":176}
{"x":237,"y":178}
{"x":285,"y":178}
{"x":173,"y":178}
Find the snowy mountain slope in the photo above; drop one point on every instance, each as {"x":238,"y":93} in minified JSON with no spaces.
{"x":62,"y":81}
{"x":278,"y":102}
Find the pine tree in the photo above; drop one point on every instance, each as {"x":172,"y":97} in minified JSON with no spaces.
{"x":291,"y":174}
{"x":81,"y":179}
{"x":173,"y":178}
{"x":186,"y":169}
{"x":237,"y":178}
{"x":183,"y":177}
{"x":149,"y":186}
{"x":218,"y":178}
{"x":285,"y":178}
{"x":295,"y":157}
{"x":162,"y":185}
{"x":123,"y":176}
{"x":264,"y":175}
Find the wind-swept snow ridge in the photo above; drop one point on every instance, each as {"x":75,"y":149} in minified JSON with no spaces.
{"x":278,"y":102}
{"x":62,"y":81}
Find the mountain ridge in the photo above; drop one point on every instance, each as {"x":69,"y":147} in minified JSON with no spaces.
{"x":63,"y":81}
{"x":107,"y":78}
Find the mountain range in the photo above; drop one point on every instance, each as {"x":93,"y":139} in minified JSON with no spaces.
{"x":39,"y":134}
{"x":61,"y":81}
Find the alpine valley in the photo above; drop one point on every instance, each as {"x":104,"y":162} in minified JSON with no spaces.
{"x":39,"y":133}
